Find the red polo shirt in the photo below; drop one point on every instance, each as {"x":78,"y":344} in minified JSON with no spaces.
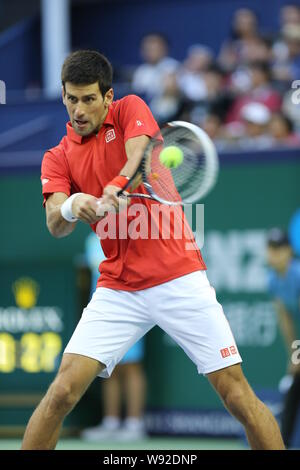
{"x":87,"y":165}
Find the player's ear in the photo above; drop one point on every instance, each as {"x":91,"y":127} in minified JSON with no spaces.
{"x":63,"y":93}
{"x":108,"y":97}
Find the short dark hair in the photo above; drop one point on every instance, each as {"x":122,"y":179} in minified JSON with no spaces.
{"x":277,"y":238}
{"x":85,"y":67}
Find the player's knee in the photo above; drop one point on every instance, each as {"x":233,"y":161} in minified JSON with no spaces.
{"x":61,"y":398}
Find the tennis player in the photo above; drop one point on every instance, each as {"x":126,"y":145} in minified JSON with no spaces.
{"x":144,"y":282}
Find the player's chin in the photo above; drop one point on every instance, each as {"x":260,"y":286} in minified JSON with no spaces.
{"x":82,"y":130}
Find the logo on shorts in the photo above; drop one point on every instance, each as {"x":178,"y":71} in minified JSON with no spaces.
{"x":110,"y":135}
{"x":226,"y":352}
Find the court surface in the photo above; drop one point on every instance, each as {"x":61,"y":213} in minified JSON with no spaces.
{"x":161,"y":443}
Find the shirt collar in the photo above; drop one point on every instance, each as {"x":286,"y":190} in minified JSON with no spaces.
{"x":72,"y":134}
{"x":78,"y":138}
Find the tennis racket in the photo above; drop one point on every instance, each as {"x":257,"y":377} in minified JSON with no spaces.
{"x":186,"y":183}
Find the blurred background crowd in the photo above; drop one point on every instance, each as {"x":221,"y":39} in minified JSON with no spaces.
{"x":241,"y":96}
{"x":242,"y":89}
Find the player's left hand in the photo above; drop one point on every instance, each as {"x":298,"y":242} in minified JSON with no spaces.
{"x":110,"y":197}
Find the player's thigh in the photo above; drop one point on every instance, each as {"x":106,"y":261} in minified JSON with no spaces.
{"x":111,"y":323}
{"x":190,"y":313}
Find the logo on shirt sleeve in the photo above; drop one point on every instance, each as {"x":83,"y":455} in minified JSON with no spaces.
{"x":110,"y":135}
{"x":139,"y":123}
{"x":44,"y":181}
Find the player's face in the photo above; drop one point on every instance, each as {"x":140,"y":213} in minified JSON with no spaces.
{"x":279,"y":257}
{"x":86,"y":106}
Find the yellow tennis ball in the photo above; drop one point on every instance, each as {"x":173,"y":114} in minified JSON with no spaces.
{"x":171,"y":157}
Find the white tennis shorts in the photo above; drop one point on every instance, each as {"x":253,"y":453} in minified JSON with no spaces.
{"x":186,"y":308}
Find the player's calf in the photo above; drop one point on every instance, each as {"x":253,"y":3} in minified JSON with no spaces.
{"x":260,"y":425}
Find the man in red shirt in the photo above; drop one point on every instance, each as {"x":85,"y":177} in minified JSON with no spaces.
{"x":145,"y":280}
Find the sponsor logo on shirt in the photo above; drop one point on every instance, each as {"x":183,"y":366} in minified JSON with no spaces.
{"x":139,"y":123}
{"x":110,"y":135}
{"x":44,"y":181}
{"x":226,"y":352}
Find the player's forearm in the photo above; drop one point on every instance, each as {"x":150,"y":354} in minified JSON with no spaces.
{"x":132,"y":163}
{"x":135,"y":148}
{"x":57,"y":225}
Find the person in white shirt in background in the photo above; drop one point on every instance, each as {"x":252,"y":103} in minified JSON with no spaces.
{"x":148,"y":77}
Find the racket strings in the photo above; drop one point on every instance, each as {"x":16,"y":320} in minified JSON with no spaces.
{"x":177,"y":184}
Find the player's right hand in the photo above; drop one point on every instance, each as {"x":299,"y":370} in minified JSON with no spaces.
{"x":86,"y":208}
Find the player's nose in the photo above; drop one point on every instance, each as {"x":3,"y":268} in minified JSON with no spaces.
{"x":78,"y":113}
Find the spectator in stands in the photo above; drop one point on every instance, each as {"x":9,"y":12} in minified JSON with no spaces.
{"x":218,"y":96}
{"x":290,"y":14}
{"x":148,"y":77}
{"x":216,"y":100}
{"x":127,"y":378}
{"x":191,"y":74}
{"x":284,"y":287}
{"x":261,"y":91}
{"x":212,"y":125}
{"x":170,"y":104}
{"x":291,"y":34}
{"x":281,"y":129}
{"x":256,"y":118}
{"x":258,"y":50}
{"x":244,"y":32}
{"x":287,"y":54}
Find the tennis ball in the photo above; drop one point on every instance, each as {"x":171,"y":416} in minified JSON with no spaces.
{"x":171,"y":157}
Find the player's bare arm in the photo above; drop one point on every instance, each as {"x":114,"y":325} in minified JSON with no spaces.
{"x":57,"y":225}
{"x":134,"y":150}
{"x":84,"y":208}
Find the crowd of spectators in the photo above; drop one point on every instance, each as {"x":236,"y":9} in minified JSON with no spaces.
{"x":241,"y":96}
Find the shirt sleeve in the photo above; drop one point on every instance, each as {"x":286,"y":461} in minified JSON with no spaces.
{"x":55,"y":175}
{"x":297,"y":275}
{"x":136,"y":119}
